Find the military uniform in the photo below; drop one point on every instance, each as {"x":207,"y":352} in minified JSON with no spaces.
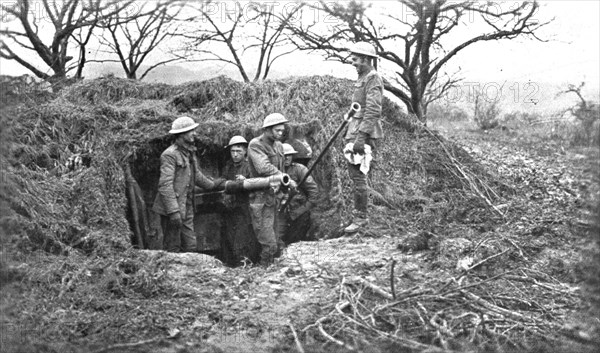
{"x":293,"y":225}
{"x":238,"y":241}
{"x":368,"y":92}
{"x":265,"y":159}
{"x":179,"y":173}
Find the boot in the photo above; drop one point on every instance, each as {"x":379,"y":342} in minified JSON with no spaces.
{"x":266,"y":262}
{"x":361,"y":199}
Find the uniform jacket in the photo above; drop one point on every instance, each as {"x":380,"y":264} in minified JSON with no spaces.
{"x":265,"y":159}
{"x":179,"y":172}
{"x":229,"y":173}
{"x":231,"y":170}
{"x":368,"y":92}
{"x":309,"y":191}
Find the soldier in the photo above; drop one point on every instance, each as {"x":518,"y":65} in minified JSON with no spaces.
{"x":265,"y":155}
{"x":303,"y":149}
{"x":238,"y":240}
{"x":365,"y":126}
{"x":294,"y":223}
{"x":237,"y":167}
{"x":179,"y":174}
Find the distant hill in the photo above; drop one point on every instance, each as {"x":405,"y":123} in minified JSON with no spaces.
{"x":169,"y":74}
{"x":533,"y":97}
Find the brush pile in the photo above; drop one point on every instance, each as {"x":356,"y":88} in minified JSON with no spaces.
{"x":474,"y":311}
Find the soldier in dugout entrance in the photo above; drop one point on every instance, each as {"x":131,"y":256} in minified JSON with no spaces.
{"x":265,"y":156}
{"x":294,"y":222}
{"x":179,"y":174}
{"x":238,"y":243}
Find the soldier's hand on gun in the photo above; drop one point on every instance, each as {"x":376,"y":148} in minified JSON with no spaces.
{"x":359,"y":143}
{"x":219,"y":184}
{"x":293,"y":184}
{"x":240,"y":177}
{"x":175,"y":219}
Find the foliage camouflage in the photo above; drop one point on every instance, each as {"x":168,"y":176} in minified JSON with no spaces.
{"x":116,"y":121}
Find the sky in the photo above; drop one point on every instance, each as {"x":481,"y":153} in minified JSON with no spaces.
{"x":571,"y":53}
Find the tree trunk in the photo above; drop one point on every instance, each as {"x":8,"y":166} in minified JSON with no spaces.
{"x":419,"y":112}
{"x":416,"y":107}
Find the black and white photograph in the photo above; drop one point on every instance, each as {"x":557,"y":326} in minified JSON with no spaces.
{"x":310,"y":176}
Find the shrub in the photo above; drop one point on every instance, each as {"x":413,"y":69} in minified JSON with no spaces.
{"x":448,"y":113}
{"x":486,"y":112}
{"x":588,"y":114}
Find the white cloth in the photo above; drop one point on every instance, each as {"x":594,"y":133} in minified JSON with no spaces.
{"x":356,"y":158}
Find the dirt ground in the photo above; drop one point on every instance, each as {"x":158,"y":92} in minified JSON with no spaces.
{"x":203,"y":306}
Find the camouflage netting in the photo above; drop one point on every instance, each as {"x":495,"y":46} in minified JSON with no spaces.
{"x":117,"y":122}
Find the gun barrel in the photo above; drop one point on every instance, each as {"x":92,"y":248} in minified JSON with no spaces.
{"x":233,"y":187}
{"x":354,"y":108}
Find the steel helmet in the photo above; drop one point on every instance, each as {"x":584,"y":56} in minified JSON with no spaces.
{"x":183,"y":124}
{"x":237,"y":140}
{"x":288,"y":149}
{"x":363,"y":48}
{"x":302,"y":147}
{"x":274,"y":119}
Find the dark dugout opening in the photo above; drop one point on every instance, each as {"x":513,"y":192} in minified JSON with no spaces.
{"x":221,"y":232}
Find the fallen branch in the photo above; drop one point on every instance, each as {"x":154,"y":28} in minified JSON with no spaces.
{"x":338,"y":306}
{"x":332,"y":339}
{"x":486,"y":259}
{"x":487,"y":305}
{"x":376,"y":289}
{"x":476,"y":284}
{"x":400,"y":340}
{"x":551,"y":287}
{"x":126,"y":345}
{"x":298,"y":344}
{"x":442,"y":329}
{"x":518,"y":248}
{"x":392,"y":279}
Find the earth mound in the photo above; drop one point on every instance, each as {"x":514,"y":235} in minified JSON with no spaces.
{"x":76,"y":165}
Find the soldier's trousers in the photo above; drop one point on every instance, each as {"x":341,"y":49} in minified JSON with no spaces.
{"x":262,"y":212}
{"x":238,"y":240}
{"x":291,"y":231}
{"x":359,"y":183}
{"x":183,"y":238}
{"x":359,"y":190}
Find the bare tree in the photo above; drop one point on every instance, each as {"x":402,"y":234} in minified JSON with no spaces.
{"x":65,"y":17}
{"x":133,"y":37}
{"x":254,"y":30}
{"x":587,"y":112}
{"x":411,"y":38}
{"x":82,"y":37}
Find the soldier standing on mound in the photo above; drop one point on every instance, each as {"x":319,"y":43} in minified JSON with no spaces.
{"x":365,"y":127}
